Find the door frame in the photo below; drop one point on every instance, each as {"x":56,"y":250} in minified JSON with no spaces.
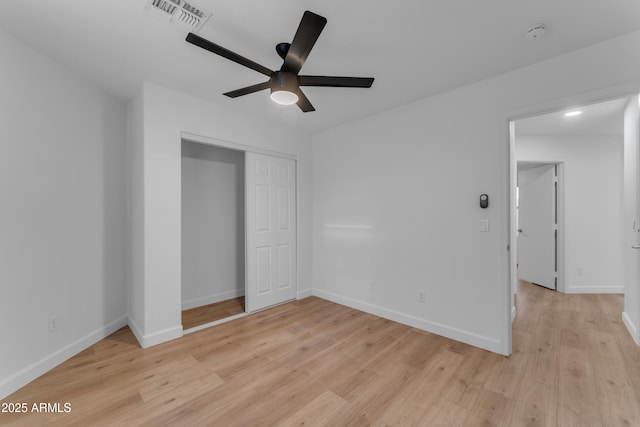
{"x":508,"y":137}
{"x":560,"y":220}
{"x":230,"y":145}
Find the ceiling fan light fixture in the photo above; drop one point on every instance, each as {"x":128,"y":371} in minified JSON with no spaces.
{"x":283,"y":97}
{"x":284,"y":88}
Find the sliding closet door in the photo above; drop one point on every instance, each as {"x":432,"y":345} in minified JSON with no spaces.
{"x":271,"y":230}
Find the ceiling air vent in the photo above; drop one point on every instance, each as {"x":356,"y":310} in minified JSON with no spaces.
{"x":184,"y":13}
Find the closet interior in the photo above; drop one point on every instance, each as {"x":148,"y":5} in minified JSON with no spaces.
{"x":213,"y":233}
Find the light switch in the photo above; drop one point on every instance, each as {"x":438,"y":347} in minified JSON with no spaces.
{"x":484,"y":224}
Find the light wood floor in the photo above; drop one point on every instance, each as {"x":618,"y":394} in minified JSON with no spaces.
{"x":212,"y":312}
{"x":313,"y":362}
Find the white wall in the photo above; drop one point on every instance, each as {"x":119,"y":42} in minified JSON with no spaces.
{"x":212,"y":224}
{"x":414,"y":175}
{"x":62,"y":220}
{"x":167,"y":116}
{"x":630,"y":218}
{"x":135,"y":196}
{"x":592,"y":205}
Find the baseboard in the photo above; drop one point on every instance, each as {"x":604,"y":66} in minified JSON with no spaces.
{"x":214,"y":323}
{"x":156,"y":338}
{"x":135,"y":330}
{"x":467,"y":337}
{"x":594,"y":290}
{"x":210,"y":299}
{"x":304,"y":294}
{"x":33,"y":371}
{"x":633,"y":330}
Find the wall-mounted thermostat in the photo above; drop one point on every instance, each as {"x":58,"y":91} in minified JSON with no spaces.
{"x":484,"y":201}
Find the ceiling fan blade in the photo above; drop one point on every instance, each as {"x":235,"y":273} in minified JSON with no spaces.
{"x":332,"y":81}
{"x":308,"y":32}
{"x":303,"y":102}
{"x":226,"y":53}
{"x":247,"y":90}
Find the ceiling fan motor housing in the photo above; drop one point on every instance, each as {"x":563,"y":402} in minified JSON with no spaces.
{"x":282,"y":80}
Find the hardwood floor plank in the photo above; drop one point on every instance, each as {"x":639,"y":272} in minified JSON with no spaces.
{"x":615,"y":393}
{"x":211,"y":312}
{"x":444,"y":414}
{"x":489,"y":410}
{"x":372,"y":402}
{"x":536,"y":405}
{"x":631,"y":359}
{"x":472,"y":393}
{"x":411,"y":404}
{"x":507,"y":374}
{"x":577,"y":394}
{"x":537,"y":400}
{"x":470,"y":377}
{"x":318,"y":412}
{"x":190,"y":380}
{"x":313,"y":362}
{"x":268,"y":405}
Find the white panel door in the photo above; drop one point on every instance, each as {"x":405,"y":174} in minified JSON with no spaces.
{"x":271,"y":231}
{"x":536,"y":221}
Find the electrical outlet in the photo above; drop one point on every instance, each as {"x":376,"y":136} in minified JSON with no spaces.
{"x":53,"y":324}
{"x":580,"y":271}
{"x":422,"y":297}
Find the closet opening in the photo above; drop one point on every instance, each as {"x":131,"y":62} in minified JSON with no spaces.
{"x":213,"y":234}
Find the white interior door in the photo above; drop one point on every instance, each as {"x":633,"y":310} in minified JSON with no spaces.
{"x":536,"y":226}
{"x":271,"y":230}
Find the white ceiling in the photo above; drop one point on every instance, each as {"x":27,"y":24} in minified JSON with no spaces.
{"x":414,"y":48}
{"x":605,"y":118}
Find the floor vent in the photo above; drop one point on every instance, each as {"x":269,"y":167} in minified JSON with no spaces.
{"x":186,"y":14}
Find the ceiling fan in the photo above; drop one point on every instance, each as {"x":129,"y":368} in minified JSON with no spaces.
{"x":285,"y":83}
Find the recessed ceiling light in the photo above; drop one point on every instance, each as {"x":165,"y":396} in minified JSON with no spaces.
{"x":573,"y":113}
